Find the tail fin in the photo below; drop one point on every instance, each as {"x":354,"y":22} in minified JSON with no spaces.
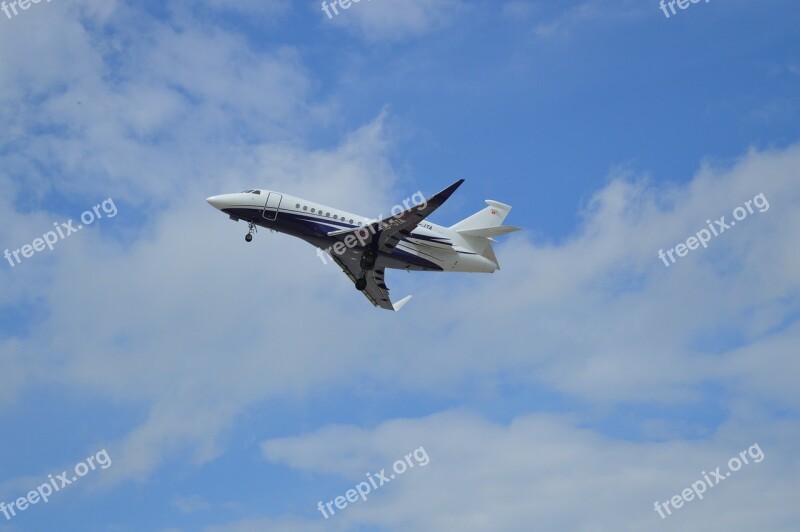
{"x":478,"y":229}
{"x":491,"y":216}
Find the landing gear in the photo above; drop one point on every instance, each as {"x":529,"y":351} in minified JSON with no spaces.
{"x":252,"y":229}
{"x":368,"y":259}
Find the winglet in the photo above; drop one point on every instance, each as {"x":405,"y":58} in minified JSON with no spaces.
{"x":444,"y":195}
{"x":400,"y":304}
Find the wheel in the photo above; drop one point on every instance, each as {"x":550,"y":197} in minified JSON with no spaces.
{"x":248,"y":237}
{"x":361,"y":284}
{"x":368,"y":260}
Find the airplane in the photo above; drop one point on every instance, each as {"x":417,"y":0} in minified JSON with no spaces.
{"x":364,"y":248}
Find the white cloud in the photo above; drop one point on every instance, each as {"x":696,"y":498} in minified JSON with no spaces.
{"x":544,"y":469}
{"x":143,"y":132}
{"x":166,"y":309}
{"x":126,"y":343}
{"x":603,"y":319}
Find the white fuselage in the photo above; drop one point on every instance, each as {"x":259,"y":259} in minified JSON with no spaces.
{"x":428,"y":247}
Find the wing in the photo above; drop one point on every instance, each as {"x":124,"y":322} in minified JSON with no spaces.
{"x":376,"y":291}
{"x":384,"y":235}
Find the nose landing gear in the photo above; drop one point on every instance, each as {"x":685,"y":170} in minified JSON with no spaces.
{"x":361,"y":284}
{"x":252,"y":229}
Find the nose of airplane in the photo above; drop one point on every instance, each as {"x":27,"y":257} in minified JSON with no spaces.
{"x":216,"y":201}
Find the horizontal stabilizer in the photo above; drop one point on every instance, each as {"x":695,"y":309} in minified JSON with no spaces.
{"x":489,"y":232}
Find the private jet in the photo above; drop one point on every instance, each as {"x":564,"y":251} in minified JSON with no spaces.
{"x":364,"y":248}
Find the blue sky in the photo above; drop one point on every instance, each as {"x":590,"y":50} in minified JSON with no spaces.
{"x":234,"y":386}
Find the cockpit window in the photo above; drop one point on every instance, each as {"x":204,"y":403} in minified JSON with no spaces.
{"x":251,"y":192}
{"x":256,"y":192}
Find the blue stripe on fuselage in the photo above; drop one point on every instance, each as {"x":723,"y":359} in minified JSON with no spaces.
{"x":313,"y":229}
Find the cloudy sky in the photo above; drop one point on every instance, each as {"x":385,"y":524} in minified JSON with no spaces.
{"x":236,"y":386}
